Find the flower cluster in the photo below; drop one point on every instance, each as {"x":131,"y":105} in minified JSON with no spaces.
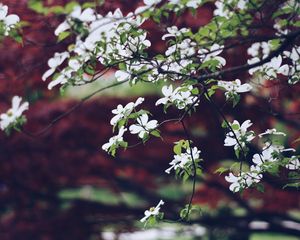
{"x":223,"y":9}
{"x":115,"y":142}
{"x":13,"y":118}
{"x":261,"y":50}
{"x":122,"y":113}
{"x":143,"y":127}
{"x":7,"y":22}
{"x":271,"y":157}
{"x":153,"y":214}
{"x":238,"y":136}
{"x":181,"y":97}
{"x":244,"y":179}
{"x":105,"y":39}
{"x":233,"y":88}
{"x":184,"y":161}
{"x":212,"y":54}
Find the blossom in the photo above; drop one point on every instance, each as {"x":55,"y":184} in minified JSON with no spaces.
{"x":54,"y":62}
{"x":154,"y":211}
{"x":181,"y":96}
{"x":9,"y":20}
{"x":254,"y":50}
{"x":193,"y":3}
{"x":182,"y":160}
{"x":239,"y":134}
{"x":168,"y":93}
{"x":294,"y":163}
{"x":115,"y":140}
{"x":143,"y":127}
{"x":184,"y":48}
{"x":235,"y":185}
{"x":148,"y":4}
{"x":151,"y":2}
{"x":87,"y":15}
{"x":223,"y":10}
{"x":272,"y":131}
{"x":269,"y":69}
{"x":234,"y":87}
{"x":121,"y":75}
{"x":270,"y":153}
{"x":174,"y":32}
{"x":244,"y":179}
{"x":123,"y":112}
{"x":212,"y":53}
{"x":14,"y":113}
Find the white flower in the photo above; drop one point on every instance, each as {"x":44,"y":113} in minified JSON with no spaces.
{"x":221,"y":11}
{"x":245,"y":179}
{"x":270,"y":153}
{"x":154,"y":211}
{"x":255,"y":48}
{"x":151,"y":2}
{"x":88,"y":15}
{"x":234,"y":87}
{"x":123,"y":112}
{"x":269,"y":69}
{"x":54,"y":62}
{"x":168,"y":93}
{"x":242,"y":4}
{"x":174,"y":32}
{"x":294,"y":163}
{"x":74,"y":64}
{"x":235,"y":185}
{"x":148,"y":5}
{"x":121,"y":75}
{"x":15,"y":112}
{"x":193,"y":3}
{"x":240,"y":134}
{"x":182,"y":160}
{"x":9,"y":20}
{"x":272,"y":131}
{"x":115,"y":140}
{"x":63,"y":78}
{"x":181,"y":96}
{"x":62,"y":27}
{"x":143,"y":127}
{"x":212,"y":53}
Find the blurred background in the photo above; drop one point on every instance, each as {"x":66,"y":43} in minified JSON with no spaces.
{"x":62,"y":185}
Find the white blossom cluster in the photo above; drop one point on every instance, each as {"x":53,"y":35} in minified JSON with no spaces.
{"x":143,"y":127}
{"x":223,"y":10}
{"x":271,"y":69}
{"x":153,"y":211}
{"x":233,"y":88}
{"x":105,"y":39}
{"x":7,"y":22}
{"x":184,"y":160}
{"x":13,"y":118}
{"x":118,"y":41}
{"x":271,"y":155}
{"x":181,"y":97}
{"x":239,"y":137}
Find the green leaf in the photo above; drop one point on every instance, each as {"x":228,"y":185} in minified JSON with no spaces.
{"x":89,"y":5}
{"x":260,"y":187}
{"x":70,"y":6}
{"x":221,"y":170}
{"x":177,"y":149}
{"x":155,"y":133}
{"x":235,"y":126}
{"x":62,"y":36}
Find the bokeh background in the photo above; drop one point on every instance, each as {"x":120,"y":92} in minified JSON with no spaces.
{"x":61,"y":185}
